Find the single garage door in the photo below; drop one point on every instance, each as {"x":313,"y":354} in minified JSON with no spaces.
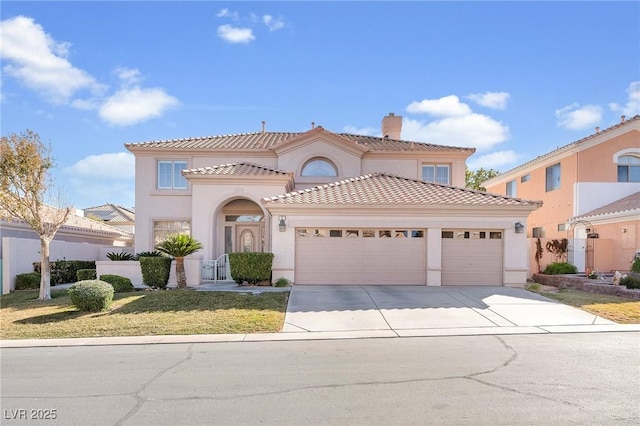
{"x":360,"y":256}
{"x":471,"y":257}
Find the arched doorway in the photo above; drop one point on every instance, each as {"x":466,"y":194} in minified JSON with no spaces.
{"x":243,"y":226}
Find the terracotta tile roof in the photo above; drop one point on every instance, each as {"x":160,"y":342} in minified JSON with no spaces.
{"x":268,"y":140}
{"x":111,"y":213}
{"x":627,"y":204}
{"x":569,"y":145}
{"x":236,"y":169}
{"x":386,"y":189}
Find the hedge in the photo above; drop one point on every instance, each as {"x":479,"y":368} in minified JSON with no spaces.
{"x":120,"y":284}
{"x":556,"y":268}
{"x":155,"y":271}
{"x":631,"y":281}
{"x":66,"y":271}
{"x":86,"y":274}
{"x":251,"y":267}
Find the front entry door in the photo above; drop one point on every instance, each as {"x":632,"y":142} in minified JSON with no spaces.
{"x":248,"y":238}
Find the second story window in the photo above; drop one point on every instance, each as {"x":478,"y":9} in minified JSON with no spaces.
{"x":511,"y":188}
{"x":319,"y":167}
{"x":628,"y":168}
{"x":436,"y":173}
{"x":170,"y":176}
{"x":552,"y":177}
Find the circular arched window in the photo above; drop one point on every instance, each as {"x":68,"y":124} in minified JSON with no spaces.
{"x":319,"y":167}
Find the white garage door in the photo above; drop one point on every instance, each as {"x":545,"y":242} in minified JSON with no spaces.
{"x":360,"y":256}
{"x":471,"y":257}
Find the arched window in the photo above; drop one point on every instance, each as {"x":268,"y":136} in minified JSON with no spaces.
{"x":628,"y":168}
{"x":319,"y":167}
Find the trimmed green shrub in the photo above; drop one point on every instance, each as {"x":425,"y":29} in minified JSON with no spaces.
{"x":251,"y":267}
{"x":86,"y":274}
{"x":635,"y":266}
{"x":66,"y":271}
{"x":556,"y":268}
{"x":155,"y":271}
{"x":123,"y":255}
{"x":91,"y":295}
{"x":27,"y":281}
{"x":31,"y":280}
{"x":120,"y":284}
{"x":630,"y":281}
{"x":281,"y":282}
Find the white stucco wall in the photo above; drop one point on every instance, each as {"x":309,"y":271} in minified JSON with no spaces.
{"x":589,"y":196}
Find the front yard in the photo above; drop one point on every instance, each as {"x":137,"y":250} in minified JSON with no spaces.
{"x":615,"y":308}
{"x":142,"y":313}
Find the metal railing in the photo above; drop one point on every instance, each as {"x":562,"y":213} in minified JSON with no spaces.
{"x":216,"y":270}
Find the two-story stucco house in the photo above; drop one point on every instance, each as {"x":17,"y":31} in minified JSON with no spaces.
{"x":590,"y":194}
{"x":334,"y":208}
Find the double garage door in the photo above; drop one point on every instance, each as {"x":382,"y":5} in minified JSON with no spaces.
{"x":395,"y":256}
{"x":360,"y":256}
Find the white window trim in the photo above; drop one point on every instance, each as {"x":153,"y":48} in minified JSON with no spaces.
{"x":435,"y":172}
{"x":172,"y":161}
{"x":628,"y":151}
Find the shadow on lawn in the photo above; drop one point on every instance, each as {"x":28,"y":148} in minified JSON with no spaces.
{"x":168,"y":301}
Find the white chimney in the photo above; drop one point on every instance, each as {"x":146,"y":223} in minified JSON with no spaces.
{"x":391,"y":126}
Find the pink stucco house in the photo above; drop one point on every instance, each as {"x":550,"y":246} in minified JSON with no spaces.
{"x":334,"y":208}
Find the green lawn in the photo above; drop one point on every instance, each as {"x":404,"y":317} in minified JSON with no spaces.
{"x":614,"y":308}
{"x":142,"y":313}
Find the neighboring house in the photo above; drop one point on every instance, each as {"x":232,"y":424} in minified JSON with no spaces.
{"x":78,"y":239}
{"x":117,"y":216}
{"x":334,"y":208}
{"x":582,"y":186}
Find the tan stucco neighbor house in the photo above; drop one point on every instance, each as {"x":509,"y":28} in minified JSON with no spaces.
{"x":334,"y":208}
{"x":590,"y":189}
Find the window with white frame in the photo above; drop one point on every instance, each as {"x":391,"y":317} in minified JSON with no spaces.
{"x":170,"y":174}
{"x":628,"y":168}
{"x":552,"y":177}
{"x":163,"y":228}
{"x":511,"y":188}
{"x":436,"y":173}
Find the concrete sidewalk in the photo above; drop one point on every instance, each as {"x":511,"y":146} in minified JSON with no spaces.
{"x":352,"y":312}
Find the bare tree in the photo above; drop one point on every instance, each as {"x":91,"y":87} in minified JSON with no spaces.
{"x":25,"y":181}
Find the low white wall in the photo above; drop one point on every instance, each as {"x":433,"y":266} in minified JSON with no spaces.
{"x":131,"y":270}
{"x":19,"y":254}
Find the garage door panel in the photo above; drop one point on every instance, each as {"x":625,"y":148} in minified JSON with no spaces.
{"x":467,"y":261}
{"x":360,"y":260}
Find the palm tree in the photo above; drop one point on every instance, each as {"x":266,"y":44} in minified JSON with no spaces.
{"x":179,"y":246}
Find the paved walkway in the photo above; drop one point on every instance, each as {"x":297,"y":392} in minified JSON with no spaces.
{"x":344,"y":312}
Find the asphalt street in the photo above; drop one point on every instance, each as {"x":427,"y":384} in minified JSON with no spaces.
{"x":581,"y":378}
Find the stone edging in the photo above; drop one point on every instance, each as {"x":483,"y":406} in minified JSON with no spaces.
{"x":586,"y":284}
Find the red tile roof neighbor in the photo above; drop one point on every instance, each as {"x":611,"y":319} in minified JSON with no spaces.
{"x":236,"y":169}
{"x":386,"y":189}
{"x":627,"y":204}
{"x":268,"y":140}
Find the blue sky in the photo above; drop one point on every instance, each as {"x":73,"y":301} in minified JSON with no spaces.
{"x":513,"y":79}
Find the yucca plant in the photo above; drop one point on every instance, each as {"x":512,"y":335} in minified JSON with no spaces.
{"x":179,"y":246}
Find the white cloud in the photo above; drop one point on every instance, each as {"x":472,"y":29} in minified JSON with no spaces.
{"x":272,"y":23}
{"x":495,"y":100}
{"x":128,"y":76}
{"x":116,"y":166}
{"x":225,"y":13}
{"x":370,"y":131}
{"x":495,"y":160}
{"x":632,"y":107}
{"x":448,"y":106}
{"x":235,"y":34}
{"x":103,"y":178}
{"x":133,"y":105}
{"x":40,"y":63}
{"x":576,"y":117}
{"x":471,"y":130}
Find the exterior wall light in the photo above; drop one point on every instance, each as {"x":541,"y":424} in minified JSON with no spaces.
{"x":282,"y":225}
{"x":519,"y":228}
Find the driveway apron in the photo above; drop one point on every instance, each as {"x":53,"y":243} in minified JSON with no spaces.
{"x":408,"y":309}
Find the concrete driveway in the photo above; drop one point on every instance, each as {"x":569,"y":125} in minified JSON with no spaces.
{"x":391,"y":311}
